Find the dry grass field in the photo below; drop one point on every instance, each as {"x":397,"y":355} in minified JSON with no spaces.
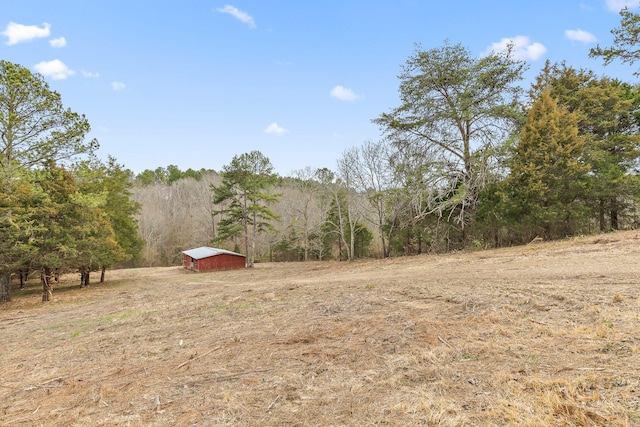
{"x":541,"y":335}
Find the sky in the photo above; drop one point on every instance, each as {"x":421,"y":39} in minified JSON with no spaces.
{"x":192,"y":83}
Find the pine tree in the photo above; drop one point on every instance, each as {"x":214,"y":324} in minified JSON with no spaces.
{"x":244,"y":199}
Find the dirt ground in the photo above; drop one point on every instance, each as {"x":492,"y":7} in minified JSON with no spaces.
{"x":544,"y":334}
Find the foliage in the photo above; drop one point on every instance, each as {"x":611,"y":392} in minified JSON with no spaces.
{"x":168,"y":175}
{"x":20,"y":199}
{"x":243,"y":198}
{"x":548,"y":172}
{"x":626,"y":41}
{"x":454,"y":108}
{"x":608,"y":118}
{"x":35,"y":126}
{"x":58,"y":213}
{"x":110,"y":186}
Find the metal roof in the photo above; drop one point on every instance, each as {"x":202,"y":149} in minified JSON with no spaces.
{"x":206,"y":252}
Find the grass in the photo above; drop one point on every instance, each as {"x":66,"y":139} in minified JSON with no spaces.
{"x":515,"y":337}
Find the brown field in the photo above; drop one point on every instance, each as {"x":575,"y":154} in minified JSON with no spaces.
{"x":544,"y":334}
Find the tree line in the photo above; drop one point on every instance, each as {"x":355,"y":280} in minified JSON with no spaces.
{"x":469,"y":158}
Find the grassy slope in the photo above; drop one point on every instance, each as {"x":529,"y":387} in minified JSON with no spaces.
{"x":546,"y":334}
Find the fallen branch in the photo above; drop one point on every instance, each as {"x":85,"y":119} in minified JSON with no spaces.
{"x":196,"y":358}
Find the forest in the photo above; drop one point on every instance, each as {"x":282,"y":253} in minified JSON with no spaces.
{"x":469,"y":159}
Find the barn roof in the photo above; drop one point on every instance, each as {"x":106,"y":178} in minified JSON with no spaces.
{"x":206,"y":252}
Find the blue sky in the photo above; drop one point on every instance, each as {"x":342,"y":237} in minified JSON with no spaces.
{"x":193,"y":82}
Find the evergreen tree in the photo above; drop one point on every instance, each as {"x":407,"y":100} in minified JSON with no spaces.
{"x":106,"y":188}
{"x":244,"y":199}
{"x":34,"y":125}
{"x":626,"y":43}
{"x":608,"y":119}
{"x":548,"y":173}
{"x":35,"y":129}
{"x":60,"y":216}
{"x":20,"y":201}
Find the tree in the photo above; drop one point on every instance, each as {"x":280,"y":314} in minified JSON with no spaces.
{"x":107,"y":189}
{"x":34,"y":128}
{"x":548,"y":173}
{"x":376,"y":179}
{"x":20,"y":200}
{"x":244,"y":197}
{"x":303,"y":210}
{"x":325,"y":180}
{"x":62,"y":219}
{"x":607,"y":113}
{"x":626,"y":41}
{"x":454,"y":108}
{"x":347,"y":201}
{"x":122,"y":211}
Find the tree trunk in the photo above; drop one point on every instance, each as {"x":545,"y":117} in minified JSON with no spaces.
{"x":614,"y":219}
{"x":601,"y":216}
{"x":23,"y":278}
{"x":5,"y":286}
{"x":253,"y":239}
{"x":245,"y":225}
{"x":84,"y":277}
{"x":102,"y":274}
{"x":47,"y":291}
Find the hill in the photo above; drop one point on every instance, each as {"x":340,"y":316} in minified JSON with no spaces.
{"x":544,"y":334}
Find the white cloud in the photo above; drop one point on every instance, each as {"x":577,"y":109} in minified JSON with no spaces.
{"x":343,"y":94}
{"x":59,"y":42}
{"x":90,"y":75}
{"x":274,"y":129}
{"x":523,"y":48}
{"x":617,"y":5}
{"x":55,"y":69}
{"x":243,"y":17}
{"x":18,"y":33}
{"x":580,"y":36}
{"x":118,"y":86}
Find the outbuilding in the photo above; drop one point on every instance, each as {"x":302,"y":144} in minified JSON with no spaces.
{"x":208,"y":259}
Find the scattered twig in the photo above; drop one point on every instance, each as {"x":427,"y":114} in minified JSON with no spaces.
{"x":196,"y":358}
{"x":45,"y":384}
{"x":229,"y":377}
{"x":444,"y":342}
{"x":137,"y":371}
{"x":539,"y":323}
{"x":272,"y":404}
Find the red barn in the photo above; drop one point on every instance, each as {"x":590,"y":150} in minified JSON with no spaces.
{"x":207,"y":259}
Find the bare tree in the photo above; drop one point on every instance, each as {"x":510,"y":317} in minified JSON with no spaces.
{"x":175,"y":217}
{"x":374,"y":177}
{"x":349,"y":215}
